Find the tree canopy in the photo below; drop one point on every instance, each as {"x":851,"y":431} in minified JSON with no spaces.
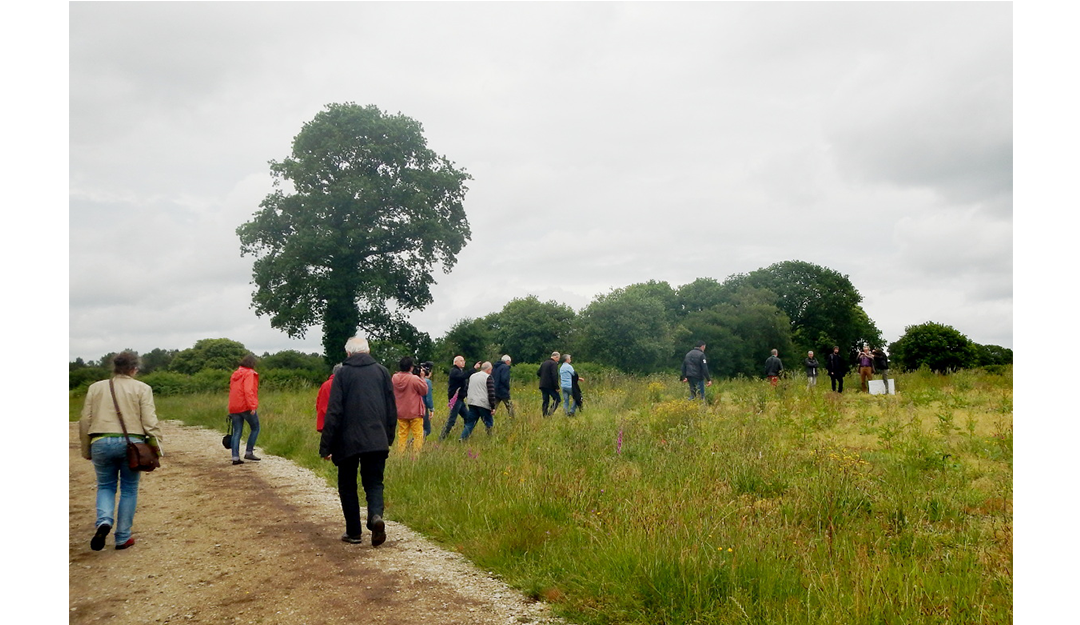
{"x":937,"y":346}
{"x":529,"y":330}
{"x":628,"y":328}
{"x":738,"y":332}
{"x":351,"y":241}
{"x":821,"y":303}
{"x":223,"y":354}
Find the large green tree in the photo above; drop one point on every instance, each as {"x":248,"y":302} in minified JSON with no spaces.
{"x":628,"y":328}
{"x":937,"y":346}
{"x":360,"y":214}
{"x":474,"y":338}
{"x":224,"y":354}
{"x":529,"y":330}
{"x":822,"y":304}
{"x":739,"y":332}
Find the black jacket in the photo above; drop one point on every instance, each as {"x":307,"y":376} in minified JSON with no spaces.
{"x":549,"y":375}
{"x":835,"y":365}
{"x":694,"y":365}
{"x":500,"y":373}
{"x":361,"y":415}
{"x":811,"y":365}
{"x":881,"y":361}
{"x":773,"y":366}
{"x":457,"y":380}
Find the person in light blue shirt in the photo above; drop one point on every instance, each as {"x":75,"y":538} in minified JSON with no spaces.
{"x":566,"y":381}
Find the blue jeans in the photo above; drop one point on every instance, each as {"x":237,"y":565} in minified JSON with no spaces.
{"x":568,"y":401}
{"x":238,"y":419}
{"x":477,"y":413}
{"x":109,"y":456}
{"x":459,"y":407}
{"x":697,"y":388}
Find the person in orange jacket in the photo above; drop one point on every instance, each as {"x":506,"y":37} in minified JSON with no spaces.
{"x":243,"y":404}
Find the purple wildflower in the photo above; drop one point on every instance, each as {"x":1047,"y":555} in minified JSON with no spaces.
{"x":618,"y":443}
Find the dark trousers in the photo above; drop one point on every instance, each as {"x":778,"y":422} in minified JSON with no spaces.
{"x":477,"y":413}
{"x":550,"y":395}
{"x":459,"y":407}
{"x":509,"y":405}
{"x":837,"y":382}
{"x":370,"y":466}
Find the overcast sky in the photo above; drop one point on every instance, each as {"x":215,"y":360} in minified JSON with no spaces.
{"x":609,"y":143}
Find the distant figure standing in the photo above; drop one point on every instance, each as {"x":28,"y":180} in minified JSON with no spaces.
{"x":456,"y":388}
{"x":549,"y":383}
{"x":811,"y":365}
{"x":102,"y":441}
{"x":481,"y":398}
{"x":566,"y":383}
{"x":773,"y":367}
{"x":500,"y":373}
{"x":360,"y":421}
{"x":323,"y":398}
{"x":881,"y":364}
{"x":695,"y":371}
{"x":243,"y":406}
{"x":429,"y":399}
{"x":837,"y":368}
{"x":409,"y":392}
{"x":866,"y":368}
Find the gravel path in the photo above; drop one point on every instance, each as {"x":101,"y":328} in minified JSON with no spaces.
{"x":259,"y":543}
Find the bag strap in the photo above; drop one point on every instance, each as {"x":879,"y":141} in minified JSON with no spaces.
{"x":116,"y":404}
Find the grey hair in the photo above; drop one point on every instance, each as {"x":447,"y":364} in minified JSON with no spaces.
{"x":566,"y":357}
{"x":357,"y":345}
{"x":337,"y":368}
{"x":486,"y":366}
{"x":506,"y":358}
{"x":774,"y":352}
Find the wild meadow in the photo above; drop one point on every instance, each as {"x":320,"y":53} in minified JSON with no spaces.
{"x":763,"y":505}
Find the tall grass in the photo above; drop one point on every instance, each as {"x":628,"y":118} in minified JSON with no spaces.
{"x":765,"y":505}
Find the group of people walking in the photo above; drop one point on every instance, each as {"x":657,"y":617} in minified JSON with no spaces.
{"x":361,"y":410}
{"x":695,"y":369}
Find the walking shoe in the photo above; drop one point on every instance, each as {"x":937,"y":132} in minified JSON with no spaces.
{"x":251,"y":456}
{"x":355,"y":540}
{"x":237,"y":461}
{"x":378,"y":531}
{"x":129,"y":543}
{"x":97,"y":543}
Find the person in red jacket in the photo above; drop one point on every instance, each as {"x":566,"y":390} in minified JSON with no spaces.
{"x":323,"y":399}
{"x":243,"y":403}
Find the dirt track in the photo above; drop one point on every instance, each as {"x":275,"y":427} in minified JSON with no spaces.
{"x":259,"y":543}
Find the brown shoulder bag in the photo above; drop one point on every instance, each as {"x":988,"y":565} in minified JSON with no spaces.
{"x":140,"y":456}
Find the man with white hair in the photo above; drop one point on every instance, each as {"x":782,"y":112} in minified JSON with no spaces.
{"x":500,"y":373}
{"x":361,"y":418}
{"x":481,"y":398}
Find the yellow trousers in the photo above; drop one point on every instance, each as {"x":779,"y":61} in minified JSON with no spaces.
{"x":407,"y":428}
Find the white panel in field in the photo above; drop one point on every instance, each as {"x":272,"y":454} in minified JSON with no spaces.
{"x":877,"y":387}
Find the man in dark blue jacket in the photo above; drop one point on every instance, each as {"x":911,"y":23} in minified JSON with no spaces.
{"x":500,"y":373}
{"x":695,"y":370}
{"x":361,"y":420}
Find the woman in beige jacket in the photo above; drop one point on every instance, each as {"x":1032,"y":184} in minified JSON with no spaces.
{"x":104,"y":444}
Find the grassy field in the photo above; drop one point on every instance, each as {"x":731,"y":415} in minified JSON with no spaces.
{"x":763,"y":506}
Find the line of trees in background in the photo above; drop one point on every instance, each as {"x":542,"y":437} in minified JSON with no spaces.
{"x":643,"y":328}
